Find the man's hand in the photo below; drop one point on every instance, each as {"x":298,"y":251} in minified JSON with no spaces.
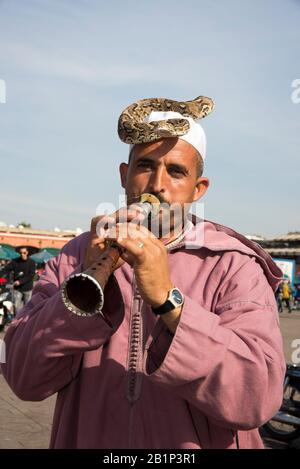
{"x":148,"y":257}
{"x":96,"y":245}
{"x":16,"y":283}
{"x":142,"y":250}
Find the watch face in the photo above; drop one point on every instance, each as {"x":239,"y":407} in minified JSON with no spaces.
{"x":177,"y":296}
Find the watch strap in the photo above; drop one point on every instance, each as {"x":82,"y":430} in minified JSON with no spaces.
{"x":164,"y":308}
{"x":171,"y":302}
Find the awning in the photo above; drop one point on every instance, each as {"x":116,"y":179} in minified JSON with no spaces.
{"x":283,"y":251}
{"x":53,"y":251}
{"x":41,"y":257}
{"x":8,"y":254}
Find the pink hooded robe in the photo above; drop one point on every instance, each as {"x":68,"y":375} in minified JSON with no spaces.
{"x":127,"y":382}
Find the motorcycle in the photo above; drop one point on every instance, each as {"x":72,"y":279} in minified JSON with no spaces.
{"x":6,"y":306}
{"x":285,"y":425}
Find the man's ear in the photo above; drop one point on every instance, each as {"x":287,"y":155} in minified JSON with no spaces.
{"x":123,"y":173}
{"x":201,"y":187}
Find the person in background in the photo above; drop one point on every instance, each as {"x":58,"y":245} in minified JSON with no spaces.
{"x":294,"y":292}
{"x":22,"y":271}
{"x":297,"y":296}
{"x":287,"y":294}
{"x":40,"y":270}
{"x":278,"y":296}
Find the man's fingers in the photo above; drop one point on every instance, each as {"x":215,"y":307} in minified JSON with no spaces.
{"x":122,"y":215}
{"x":128,"y":230}
{"x":127,"y":257}
{"x":103,"y":223}
{"x":133,"y":249}
{"x":136,"y":241}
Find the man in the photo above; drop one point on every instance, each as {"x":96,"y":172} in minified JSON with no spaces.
{"x":287,"y":294}
{"x":279,"y":300}
{"x":187,"y":352}
{"x":23,"y":272}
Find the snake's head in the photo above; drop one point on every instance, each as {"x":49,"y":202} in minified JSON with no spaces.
{"x":204,"y":105}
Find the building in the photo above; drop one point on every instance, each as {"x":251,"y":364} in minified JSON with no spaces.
{"x":39,"y":239}
{"x":284,"y":247}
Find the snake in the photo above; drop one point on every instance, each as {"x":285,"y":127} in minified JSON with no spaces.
{"x":133,"y":129}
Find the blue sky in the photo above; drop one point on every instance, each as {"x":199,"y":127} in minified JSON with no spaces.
{"x":70,"y":67}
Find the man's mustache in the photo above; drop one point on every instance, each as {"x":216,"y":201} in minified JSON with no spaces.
{"x":161,"y":199}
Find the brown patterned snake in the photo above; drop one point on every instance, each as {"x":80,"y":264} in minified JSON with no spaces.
{"x":132,"y":128}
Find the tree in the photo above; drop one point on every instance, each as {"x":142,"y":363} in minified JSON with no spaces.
{"x":24,"y":224}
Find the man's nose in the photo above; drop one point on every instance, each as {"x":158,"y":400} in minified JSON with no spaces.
{"x":157,"y":183}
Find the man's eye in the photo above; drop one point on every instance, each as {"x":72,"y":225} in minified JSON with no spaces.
{"x":176,"y":171}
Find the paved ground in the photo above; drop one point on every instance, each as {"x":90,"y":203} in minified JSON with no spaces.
{"x":290,"y":328}
{"x":28,"y":424}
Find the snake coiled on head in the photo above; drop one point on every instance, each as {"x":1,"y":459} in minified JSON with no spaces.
{"x":133,"y":129}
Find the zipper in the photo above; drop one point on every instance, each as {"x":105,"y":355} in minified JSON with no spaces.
{"x":135,"y":354}
{"x":134,"y":359}
{"x":134,"y":374}
{"x":134,"y":371}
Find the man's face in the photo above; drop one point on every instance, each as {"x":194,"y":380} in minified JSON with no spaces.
{"x":24,"y":254}
{"x":166,"y":168}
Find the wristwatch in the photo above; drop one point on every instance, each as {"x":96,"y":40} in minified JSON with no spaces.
{"x":175,"y":299}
